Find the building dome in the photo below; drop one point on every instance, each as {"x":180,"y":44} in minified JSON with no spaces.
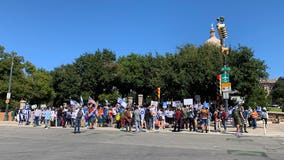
{"x":212,"y":39}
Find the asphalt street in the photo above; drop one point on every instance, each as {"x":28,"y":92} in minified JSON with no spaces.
{"x":18,"y":143}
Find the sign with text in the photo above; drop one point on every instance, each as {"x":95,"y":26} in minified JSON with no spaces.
{"x":226,"y":87}
{"x":187,"y":102}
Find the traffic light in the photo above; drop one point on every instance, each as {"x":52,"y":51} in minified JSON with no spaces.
{"x":225,"y":50}
{"x":222,"y":30}
{"x":158,"y":92}
{"x":219,"y":85}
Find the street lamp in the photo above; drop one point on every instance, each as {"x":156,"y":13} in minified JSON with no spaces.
{"x":6,"y":117}
{"x":225,"y":80}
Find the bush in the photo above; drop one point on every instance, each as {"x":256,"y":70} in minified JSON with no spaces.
{"x":274,"y":109}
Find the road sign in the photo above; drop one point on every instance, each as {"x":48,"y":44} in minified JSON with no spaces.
{"x":225,"y":78}
{"x":225,"y":95}
{"x":225,"y":69}
{"x":226,"y":87}
{"x":8,"y":95}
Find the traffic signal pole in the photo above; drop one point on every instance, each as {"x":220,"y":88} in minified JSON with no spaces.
{"x":224,"y":51}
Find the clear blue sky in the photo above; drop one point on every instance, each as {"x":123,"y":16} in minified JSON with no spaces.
{"x":49,"y":33}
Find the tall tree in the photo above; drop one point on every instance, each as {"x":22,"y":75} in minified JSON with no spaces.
{"x":278,"y":91}
{"x":66,"y":83}
{"x":98,"y":72}
{"x":41,"y":84}
{"x":246,"y":71}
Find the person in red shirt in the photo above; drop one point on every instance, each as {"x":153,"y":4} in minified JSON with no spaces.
{"x":224,"y":119}
{"x":178,"y":117}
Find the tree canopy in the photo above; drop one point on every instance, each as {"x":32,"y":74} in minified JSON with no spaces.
{"x":188,"y":72}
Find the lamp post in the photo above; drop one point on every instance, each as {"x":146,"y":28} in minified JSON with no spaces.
{"x":225,"y":80}
{"x":6,"y":117}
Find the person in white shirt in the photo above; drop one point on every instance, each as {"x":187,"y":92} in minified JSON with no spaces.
{"x":142,"y":116}
{"x":37,"y":116}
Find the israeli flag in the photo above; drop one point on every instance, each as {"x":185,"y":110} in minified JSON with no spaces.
{"x":122,"y":102}
{"x":74,"y":103}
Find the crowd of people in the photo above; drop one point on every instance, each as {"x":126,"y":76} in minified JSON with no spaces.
{"x":194,"y":118}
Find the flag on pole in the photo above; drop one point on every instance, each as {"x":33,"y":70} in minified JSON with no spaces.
{"x":74,"y":103}
{"x":91,"y":101}
{"x":122,"y":102}
{"x":81,"y":101}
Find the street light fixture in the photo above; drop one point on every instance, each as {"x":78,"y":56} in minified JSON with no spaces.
{"x":6,"y":117}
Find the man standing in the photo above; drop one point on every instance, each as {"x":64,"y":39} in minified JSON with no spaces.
{"x":128,"y":119}
{"x":178,"y":117}
{"x":254,"y":116}
{"x":191,"y":116}
{"x":204,"y":113}
{"x":37,"y":116}
{"x":224,"y":119}
{"x":142,"y":116}
{"x":217,"y":120}
{"x":78,"y":118}
{"x":47,"y":117}
{"x":237,"y":120}
{"x":137,"y":120}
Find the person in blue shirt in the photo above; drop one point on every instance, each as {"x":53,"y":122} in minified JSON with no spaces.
{"x":47,"y":117}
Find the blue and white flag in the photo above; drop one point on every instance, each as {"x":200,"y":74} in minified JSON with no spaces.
{"x":74,"y":103}
{"x":81,"y":101}
{"x":206,"y":105}
{"x":165,"y":105}
{"x":122,"y":102}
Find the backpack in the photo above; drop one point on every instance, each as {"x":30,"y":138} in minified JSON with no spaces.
{"x":190,"y":114}
{"x":185,"y":115}
{"x":79,"y":114}
{"x":219,"y":115}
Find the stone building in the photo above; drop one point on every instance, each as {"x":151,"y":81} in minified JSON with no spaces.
{"x":268,"y":84}
{"x":213,"y":40}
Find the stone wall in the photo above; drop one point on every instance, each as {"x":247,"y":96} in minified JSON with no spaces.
{"x":276,"y":117}
{"x":2,"y":114}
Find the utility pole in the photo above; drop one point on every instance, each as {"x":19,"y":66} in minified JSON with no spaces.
{"x":6,"y":117}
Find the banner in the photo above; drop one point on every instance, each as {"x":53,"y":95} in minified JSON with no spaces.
{"x":176,"y":103}
{"x":154,"y":103}
{"x":188,"y":102}
{"x":165,"y":105}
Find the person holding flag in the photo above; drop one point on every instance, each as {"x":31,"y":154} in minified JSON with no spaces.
{"x":92,"y":112}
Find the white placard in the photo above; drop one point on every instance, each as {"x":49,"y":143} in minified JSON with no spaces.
{"x":176,"y":103}
{"x":154,"y":103}
{"x":187,"y":102}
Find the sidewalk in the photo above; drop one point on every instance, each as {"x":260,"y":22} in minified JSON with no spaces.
{"x":273,"y":130}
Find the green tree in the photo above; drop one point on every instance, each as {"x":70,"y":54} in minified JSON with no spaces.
{"x":98,"y":72}
{"x":246,"y":71}
{"x":277,"y":92}
{"x":41,"y":84}
{"x":66,"y":83}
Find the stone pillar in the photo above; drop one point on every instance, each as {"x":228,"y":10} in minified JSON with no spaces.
{"x":130,"y":101}
{"x":140,"y":99}
{"x":22,"y":104}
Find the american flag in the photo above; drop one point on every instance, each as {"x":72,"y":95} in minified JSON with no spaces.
{"x":91,"y":101}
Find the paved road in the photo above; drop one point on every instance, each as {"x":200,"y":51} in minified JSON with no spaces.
{"x":18,"y":143}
